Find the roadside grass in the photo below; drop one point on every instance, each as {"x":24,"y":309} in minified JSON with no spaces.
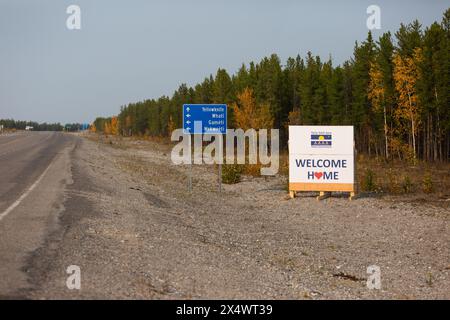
{"x":396,"y":177}
{"x":401,"y":177}
{"x":430,"y":181}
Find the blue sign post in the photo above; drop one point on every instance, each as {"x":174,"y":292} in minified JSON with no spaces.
{"x":205,"y":118}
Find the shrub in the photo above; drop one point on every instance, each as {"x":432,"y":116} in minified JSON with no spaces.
{"x":407,"y":185}
{"x":427,"y":184}
{"x":393,"y":184}
{"x":231,"y":173}
{"x":253,"y":170}
{"x":369,"y":181}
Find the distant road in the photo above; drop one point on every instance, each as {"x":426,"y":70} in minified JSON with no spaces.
{"x":34,"y":166}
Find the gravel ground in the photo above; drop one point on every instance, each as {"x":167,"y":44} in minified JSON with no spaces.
{"x":136,"y":232}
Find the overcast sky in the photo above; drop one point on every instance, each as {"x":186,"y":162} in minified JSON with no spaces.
{"x":128,"y":51}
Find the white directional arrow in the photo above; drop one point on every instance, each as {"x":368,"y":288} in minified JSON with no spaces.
{"x":188,"y":122}
{"x":188,"y":115}
{"x":188,"y":129}
{"x":188,"y":109}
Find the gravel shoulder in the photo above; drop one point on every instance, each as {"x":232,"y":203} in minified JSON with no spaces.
{"x":136,"y":232}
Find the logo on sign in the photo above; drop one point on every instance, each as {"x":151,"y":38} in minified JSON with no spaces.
{"x":321,"y":139}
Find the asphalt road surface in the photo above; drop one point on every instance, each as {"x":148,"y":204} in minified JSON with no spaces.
{"x":34,"y":167}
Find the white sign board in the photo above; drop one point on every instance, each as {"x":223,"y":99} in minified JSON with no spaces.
{"x":321,"y":158}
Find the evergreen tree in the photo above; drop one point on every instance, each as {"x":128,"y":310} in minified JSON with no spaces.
{"x":397,"y":97}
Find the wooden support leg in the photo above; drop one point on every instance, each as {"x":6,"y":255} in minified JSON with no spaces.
{"x":291,"y":194}
{"x":352,"y":196}
{"x":323,"y":195}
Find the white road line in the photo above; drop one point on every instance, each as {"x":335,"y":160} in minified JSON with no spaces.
{"x":23,"y":196}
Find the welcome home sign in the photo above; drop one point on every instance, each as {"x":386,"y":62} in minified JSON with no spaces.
{"x":321,"y":158}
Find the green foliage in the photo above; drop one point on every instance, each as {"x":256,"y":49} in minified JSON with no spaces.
{"x":407,"y":185}
{"x":21,"y":125}
{"x":369,"y":181}
{"x":393,"y":183}
{"x":427,"y":184}
{"x":312,"y":91}
{"x":231,"y":173}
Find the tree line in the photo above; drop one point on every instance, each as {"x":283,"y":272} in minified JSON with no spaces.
{"x":394,"y":91}
{"x":21,"y":125}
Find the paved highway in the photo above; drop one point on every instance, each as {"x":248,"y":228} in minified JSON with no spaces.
{"x":34,"y":167}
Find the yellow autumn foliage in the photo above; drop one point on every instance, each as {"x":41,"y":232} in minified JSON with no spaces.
{"x":250,"y":115}
{"x":406,"y":75}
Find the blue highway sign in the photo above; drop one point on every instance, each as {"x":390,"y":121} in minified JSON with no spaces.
{"x":205,"y":118}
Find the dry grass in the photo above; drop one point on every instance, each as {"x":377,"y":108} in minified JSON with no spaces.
{"x":428,"y":180}
{"x":399,"y":177}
